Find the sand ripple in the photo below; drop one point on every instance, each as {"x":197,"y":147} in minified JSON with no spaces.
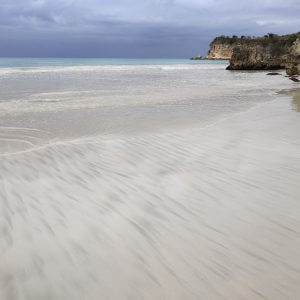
{"x":208,"y":213}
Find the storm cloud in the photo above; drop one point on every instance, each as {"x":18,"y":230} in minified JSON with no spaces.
{"x":135,"y":28}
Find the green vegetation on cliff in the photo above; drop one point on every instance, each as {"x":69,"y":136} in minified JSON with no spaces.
{"x":269,"y":39}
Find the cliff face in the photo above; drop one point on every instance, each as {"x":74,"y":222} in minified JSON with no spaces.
{"x":220,"y":50}
{"x":260,"y":53}
{"x":293,"y":60}
{"x":258,"y":56}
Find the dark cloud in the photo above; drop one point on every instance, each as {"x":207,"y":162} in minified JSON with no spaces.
{"x":166,"y":28}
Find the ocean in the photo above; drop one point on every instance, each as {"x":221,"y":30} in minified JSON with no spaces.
{"x":60,"y":99}
{"x":147,"y":179}
{"x":11,"y":62}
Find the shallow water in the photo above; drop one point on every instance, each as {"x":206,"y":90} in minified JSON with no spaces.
{"x":45,"y":104}
{"x":192,"y":196}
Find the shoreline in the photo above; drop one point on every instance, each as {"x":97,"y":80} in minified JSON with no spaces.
{"x":293,"y":93}
{"x":164,"y":121}
{"x":93,"y":113}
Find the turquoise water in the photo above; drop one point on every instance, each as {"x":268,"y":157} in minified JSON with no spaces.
{"x":6,"y":62}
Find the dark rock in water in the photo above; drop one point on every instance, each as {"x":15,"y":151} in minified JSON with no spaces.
{"x":295,"y":79}
{"x":198,"y":57}
{"x":273,"y":73}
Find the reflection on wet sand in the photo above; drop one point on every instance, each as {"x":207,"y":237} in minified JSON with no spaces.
{"x":296,"y":99}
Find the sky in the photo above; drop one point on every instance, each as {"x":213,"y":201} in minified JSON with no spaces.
{"x":135,"y":28}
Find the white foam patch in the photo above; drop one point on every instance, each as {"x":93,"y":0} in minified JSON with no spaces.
{"x":110,"y":68}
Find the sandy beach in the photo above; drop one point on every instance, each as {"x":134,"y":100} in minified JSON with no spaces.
{"x":200,"y":212}
{"x":149,"y":150}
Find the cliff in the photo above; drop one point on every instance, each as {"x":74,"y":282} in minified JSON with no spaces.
{"x":265,"y":53}
{"x":293,"y":60}
{"x":258,"y":53}
{"x":221,"y":48}
{"x":257,"y":56}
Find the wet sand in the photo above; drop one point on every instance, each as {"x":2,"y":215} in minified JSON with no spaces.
{"x":296,"y":99}
{"x":207,"y":212}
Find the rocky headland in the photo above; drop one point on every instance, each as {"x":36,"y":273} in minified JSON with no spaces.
{"x":270,"y":52}
{"x":293,"y":59}
{"x":221,"y":48}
